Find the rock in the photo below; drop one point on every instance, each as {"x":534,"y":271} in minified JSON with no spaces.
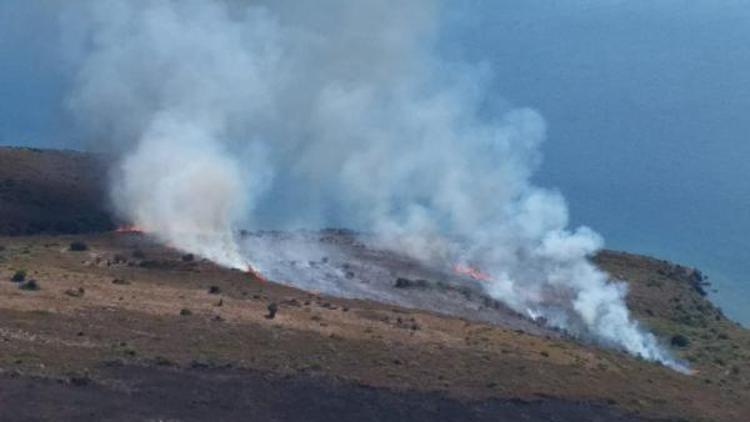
{"x":79,"y":292}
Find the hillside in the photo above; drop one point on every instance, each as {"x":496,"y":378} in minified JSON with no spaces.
{"x":46,"y":191}
{"x":130,"y":330}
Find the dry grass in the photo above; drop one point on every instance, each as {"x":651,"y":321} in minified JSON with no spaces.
{"x":137,"y":319}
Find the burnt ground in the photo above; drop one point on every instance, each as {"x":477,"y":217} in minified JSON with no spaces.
{"x":343,"y":263}
{"x":169,"y":394}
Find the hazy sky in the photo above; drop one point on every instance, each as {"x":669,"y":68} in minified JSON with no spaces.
{"x":645,"y":101}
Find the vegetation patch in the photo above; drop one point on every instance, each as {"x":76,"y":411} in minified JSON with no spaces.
{"x":19,"y":276}
{"x":30,"y":285}
{"x":78,"y":246}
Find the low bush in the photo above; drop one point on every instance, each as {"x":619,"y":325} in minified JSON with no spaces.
{"x":78,"y":246}
{"x":272,"y":309}
{"x":680,"y":341}
{"x":30,"y":285}
{"x":19,"y":276}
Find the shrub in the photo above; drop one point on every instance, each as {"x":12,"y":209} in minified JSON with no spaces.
{"x":214,"y":290}
{"x":163,"y":361}
{"x":78,"y":246}
{"x":272,"y":309}
{"x":30,"y":285}
{"x":19,"y":276}
{"x":680,"y":341}
{"x":188,"y":257}
{"x":186,"y":312}
{"x":404,"y":283}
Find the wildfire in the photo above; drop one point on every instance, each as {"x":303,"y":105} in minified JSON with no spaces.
{"x":129,"y":229}
{"x":252,"y":272}
{"x":472,"y":272}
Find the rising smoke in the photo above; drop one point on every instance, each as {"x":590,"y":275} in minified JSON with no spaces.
{"x":230,"y":114}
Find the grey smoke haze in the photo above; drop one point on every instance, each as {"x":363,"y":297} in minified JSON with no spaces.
{"x":644,"y":101}
{"x":230,"y":116}
{"x":646,"y":104}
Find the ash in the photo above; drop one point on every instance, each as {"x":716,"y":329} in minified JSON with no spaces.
{"x":342,"y":263}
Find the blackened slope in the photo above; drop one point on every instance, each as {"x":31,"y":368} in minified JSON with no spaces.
{"x":47,"y":191}
{"x":240,"y":395}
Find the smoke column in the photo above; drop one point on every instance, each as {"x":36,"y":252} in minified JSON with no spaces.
{"x":229,"y":114}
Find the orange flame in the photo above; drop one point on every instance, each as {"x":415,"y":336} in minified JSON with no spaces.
{"x":253,"y":273}
{"x":472,"y":272}
{"x":129,"y":229}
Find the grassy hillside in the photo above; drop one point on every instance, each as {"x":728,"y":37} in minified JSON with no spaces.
{"x":45,"y":191}
{"x":670,"y":300}
{"x":110,"y":307}
{"x":129,"y":321}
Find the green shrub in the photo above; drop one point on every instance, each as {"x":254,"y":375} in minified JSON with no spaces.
{"x":680,"y":341}
{"x":30,"y":285}
{"x":78,"y":246}
{"x":272,"y":309}
{"x":19,"y":276}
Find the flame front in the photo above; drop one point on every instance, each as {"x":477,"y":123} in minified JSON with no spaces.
{"x":129,"y":228}
{"x":254,"y":273}
{"x":472,"y":272}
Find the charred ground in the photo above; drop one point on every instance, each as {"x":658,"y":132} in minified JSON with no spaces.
{"x":127,"y":329}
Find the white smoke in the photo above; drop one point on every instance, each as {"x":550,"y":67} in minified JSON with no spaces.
{"x":236,"y":114}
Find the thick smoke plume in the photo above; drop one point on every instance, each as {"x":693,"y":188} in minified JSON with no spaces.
{"x":232,"y":114}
